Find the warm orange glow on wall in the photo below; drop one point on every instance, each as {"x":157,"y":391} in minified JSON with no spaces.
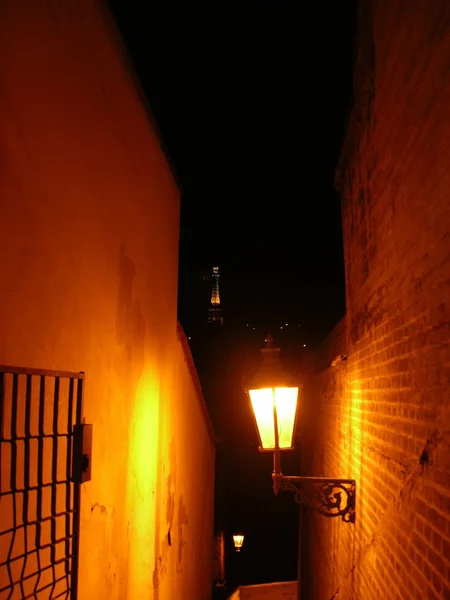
{"x":144,"y":435}
{"x":355,"y":432}
{"x":275,"y":411}
{"x":142,"y":480}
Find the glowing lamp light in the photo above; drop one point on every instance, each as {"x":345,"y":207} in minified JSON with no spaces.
{"x":238,"y":540}
{"x":273,"y":397}
{"x":275,"y":411}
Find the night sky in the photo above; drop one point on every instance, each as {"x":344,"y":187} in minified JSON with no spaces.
{"x":251,"y":101}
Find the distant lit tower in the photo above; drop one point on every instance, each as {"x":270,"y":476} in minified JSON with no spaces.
{"x":215,"y":312}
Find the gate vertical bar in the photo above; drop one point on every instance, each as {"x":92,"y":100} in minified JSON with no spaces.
{"x":40,"y":478}
{"x":77,"y":497}
{"x":26,"y":477}
{"x":12,"y":481}
{"x":69,"y":483}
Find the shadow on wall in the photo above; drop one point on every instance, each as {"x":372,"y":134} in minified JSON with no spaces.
{"x":130,"y":331}
{"x":174,"y":532}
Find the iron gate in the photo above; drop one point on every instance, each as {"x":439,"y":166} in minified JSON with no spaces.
{"x":40,"y":413}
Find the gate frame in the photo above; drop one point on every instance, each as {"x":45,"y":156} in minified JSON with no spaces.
{"x":75,"y":446}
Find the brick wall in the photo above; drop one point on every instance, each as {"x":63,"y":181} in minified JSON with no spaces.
{"x":383,"y":415}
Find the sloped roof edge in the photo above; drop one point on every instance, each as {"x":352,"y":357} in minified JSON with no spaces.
{"x":196,"y":381}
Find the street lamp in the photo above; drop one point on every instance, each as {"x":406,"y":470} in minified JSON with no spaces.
{"x":274,"y":400}
{"x":238,"y":540}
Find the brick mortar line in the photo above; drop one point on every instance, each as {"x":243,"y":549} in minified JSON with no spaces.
{"x":390,"y":514}
{"x":361,"y":345}
{"x":364,"y":445}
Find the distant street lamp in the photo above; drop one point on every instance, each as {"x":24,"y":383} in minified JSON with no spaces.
{"x":238,"y":540}
{"x":274,"y":399}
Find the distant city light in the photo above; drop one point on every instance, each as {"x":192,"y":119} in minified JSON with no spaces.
{"x":287,"y":324}
{"x":281,"y":327}
{"x":304,"y":345}
{"x":189,"y":337}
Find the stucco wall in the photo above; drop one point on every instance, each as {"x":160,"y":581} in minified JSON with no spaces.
{"x":88,"y":282}
{"x":285,"y":590}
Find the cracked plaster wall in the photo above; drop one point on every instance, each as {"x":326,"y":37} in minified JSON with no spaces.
{"x":88,"y":282}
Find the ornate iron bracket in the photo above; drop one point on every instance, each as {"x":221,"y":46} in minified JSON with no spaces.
{"x":329,"y":497}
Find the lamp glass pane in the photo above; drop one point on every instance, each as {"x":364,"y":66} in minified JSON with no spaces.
{"x":286,"y":404}
{"x":262,"y":404}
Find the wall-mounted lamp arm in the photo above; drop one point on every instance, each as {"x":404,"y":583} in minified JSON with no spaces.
{"x":330,"y":497}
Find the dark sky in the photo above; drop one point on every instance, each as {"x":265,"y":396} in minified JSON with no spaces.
{"x":251,"y":100}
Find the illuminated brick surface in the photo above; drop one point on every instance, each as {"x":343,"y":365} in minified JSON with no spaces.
{"x":383,"y":415}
